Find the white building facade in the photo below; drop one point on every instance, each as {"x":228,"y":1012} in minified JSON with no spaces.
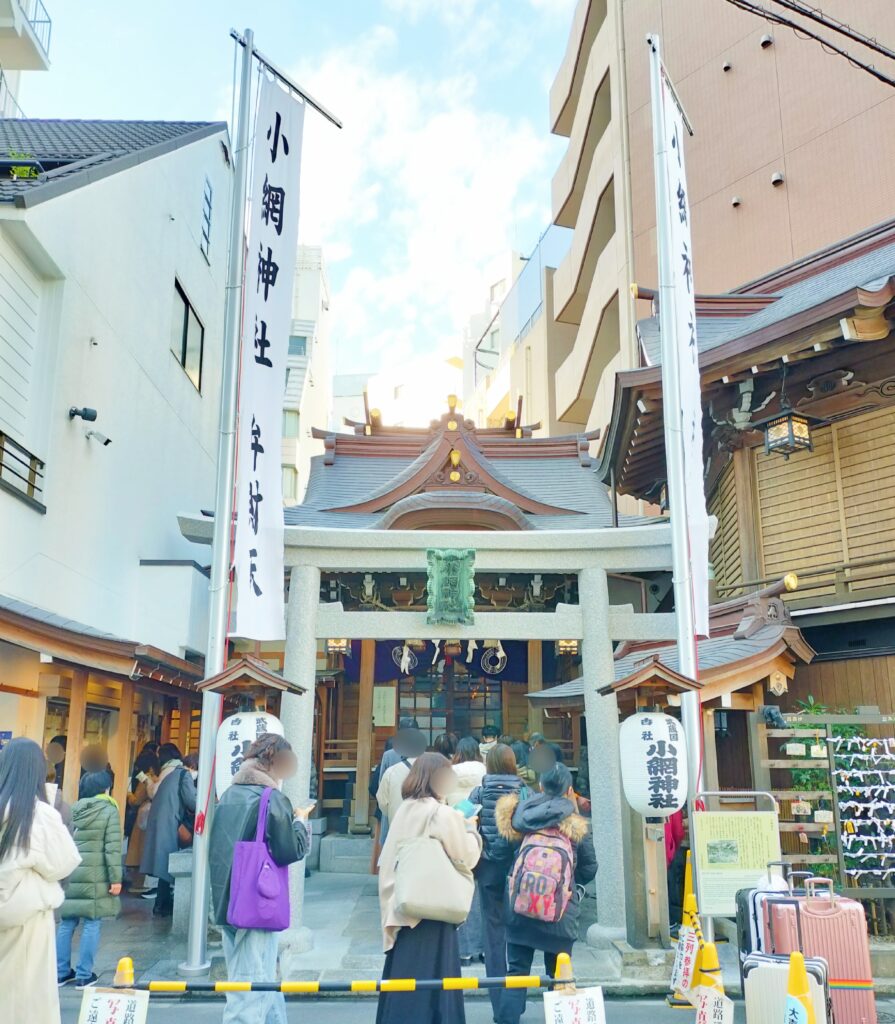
{"x":113,"y":263}
{"x":309,"y":385}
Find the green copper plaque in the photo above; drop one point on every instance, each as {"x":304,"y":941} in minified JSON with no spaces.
{"x":451,"y":590}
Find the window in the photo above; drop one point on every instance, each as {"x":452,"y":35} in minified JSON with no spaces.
{"x":494,"y":340}
{"x":187,"y":336}
{"x":290,"y":485}
{"x":497,"y":290}
{"x":298,"y":345}
{"x":290,"y":423}
{"x":205,"y":244}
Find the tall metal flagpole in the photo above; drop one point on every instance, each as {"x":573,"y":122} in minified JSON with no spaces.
{"x":196,"y":960}
{"x":691,"y":709}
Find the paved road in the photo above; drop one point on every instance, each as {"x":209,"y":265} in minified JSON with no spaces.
{"x":478,"y":1011}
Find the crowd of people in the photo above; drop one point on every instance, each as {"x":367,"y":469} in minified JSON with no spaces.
{"x":506,"y":814}
{"x":63,"y":868}
{"x":482,"y":852}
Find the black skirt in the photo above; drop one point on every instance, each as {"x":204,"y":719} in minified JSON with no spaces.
{"x":428,"y":951}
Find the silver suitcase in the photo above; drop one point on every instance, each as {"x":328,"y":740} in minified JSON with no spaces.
{"x":765,"y":979}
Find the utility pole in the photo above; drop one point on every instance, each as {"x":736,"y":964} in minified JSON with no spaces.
{"x":197,"y":962}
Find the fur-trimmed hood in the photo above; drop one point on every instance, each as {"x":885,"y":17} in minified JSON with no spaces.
{"x":515,"y":819}
{"x":252,"y":774}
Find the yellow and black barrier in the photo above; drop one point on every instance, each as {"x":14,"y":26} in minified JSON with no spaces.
{"x":124,"y":978}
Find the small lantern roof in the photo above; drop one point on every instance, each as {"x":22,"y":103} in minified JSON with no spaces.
{"x":248,"y":672}
{"x":653,"y":675}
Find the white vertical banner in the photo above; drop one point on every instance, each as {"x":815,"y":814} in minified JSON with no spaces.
{"x":267,"y":318}
{"x":689,"y":399}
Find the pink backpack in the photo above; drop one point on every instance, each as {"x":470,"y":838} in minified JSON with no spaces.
{"x":542,"y":876}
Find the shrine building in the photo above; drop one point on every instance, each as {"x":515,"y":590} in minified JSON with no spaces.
{"x":444,"y":574}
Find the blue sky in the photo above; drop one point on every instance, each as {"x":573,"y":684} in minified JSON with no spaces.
{"x":444,"y":163}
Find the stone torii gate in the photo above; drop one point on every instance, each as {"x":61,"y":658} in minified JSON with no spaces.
{"x":588,"y":553}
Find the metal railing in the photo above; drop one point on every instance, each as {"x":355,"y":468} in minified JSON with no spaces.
{"x":40,"y":21}
{"x":9,"y":106}
{"x":845,"y":578}
{"x":20,"y":470}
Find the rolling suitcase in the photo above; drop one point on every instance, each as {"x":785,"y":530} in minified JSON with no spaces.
{"x":765,"y":980}
{"x":751,"y":916}
{"x":834,"y":928}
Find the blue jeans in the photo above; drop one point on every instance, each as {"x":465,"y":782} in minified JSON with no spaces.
{"x":251,"y":955}
{"x":86,"y":949}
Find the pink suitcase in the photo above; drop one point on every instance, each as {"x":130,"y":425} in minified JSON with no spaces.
{"x":833,"y":927}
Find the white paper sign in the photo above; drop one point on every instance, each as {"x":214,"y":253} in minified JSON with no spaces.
{"x":685,"y":959}
{"x":818,"y":750}
{"x":680,"y":324}
{"x":713,"y":1008}
{"x":582,"y":1007}
{"x":113,"y":1006}
{"x":800,"y":807}
{"x":795,"y":749}
{"x":823,"y":817}
{"x":269,"y":279}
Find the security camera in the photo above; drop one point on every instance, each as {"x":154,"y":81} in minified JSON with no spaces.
{"x":735,"y":201}
{"x":726,"y":66}
{"x":777,"y":179}
{"x":766,"y":41}
{"x":95,"y":435}
{"x":86,"y":414}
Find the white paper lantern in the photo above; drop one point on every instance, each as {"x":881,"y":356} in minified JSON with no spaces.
{"x":654,"y":763}
{"x":235,"y":735}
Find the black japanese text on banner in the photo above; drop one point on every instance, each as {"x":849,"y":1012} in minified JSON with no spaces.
{"x":688,"y":359}
{"x":270,"y":271}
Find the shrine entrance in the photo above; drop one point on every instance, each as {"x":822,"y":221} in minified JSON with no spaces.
{"x":452,"y":699}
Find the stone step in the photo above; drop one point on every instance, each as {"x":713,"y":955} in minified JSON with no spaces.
{"x":346,"y":854}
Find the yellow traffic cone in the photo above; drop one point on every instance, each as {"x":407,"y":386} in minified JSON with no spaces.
{"x":564,"y":973}
{"x":677,"y":1000}
{"x":799,"y":1007}
{"x":124,"y":974}
{"x":688,"y":881}
{"x":710,"y":973}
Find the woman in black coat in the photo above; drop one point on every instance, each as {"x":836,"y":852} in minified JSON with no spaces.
{"x":553,"y":808}
{"x":501,"y":780}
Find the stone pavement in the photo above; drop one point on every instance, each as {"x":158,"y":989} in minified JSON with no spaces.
{"x":342,"y":911}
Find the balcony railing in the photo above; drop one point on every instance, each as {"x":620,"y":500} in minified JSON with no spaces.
{"x":21,"y":473}
{"x":837,"y":583}
{"x":39,"y":19}
{"x":9,"y":107}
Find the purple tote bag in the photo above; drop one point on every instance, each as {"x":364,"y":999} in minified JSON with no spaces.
{"x":259,"y":887}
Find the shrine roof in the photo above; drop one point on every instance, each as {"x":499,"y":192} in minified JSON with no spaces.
{"x":713,"y":654}
{"x":66,"y":154}
{"x":506,"y":477}
{"x":863,"y":263}
{"x":746,"y":631}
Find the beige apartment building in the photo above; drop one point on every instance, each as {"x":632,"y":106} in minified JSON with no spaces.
{"x":793,"y":148}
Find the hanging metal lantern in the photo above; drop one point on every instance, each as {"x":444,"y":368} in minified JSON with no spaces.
{"x":338,"y":646}
{"x":787,"y":431}
{"x":566,"y":647}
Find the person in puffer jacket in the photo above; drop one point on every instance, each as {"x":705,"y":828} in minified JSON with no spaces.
{"x":525,"y":821}
{"x":92,"y":890}
{"x":501,"y":780}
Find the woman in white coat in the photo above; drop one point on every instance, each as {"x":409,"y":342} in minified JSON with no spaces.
{"x":36,"y":853}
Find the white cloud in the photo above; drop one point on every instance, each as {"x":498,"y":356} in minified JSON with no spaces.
{"x":416,"y":196}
